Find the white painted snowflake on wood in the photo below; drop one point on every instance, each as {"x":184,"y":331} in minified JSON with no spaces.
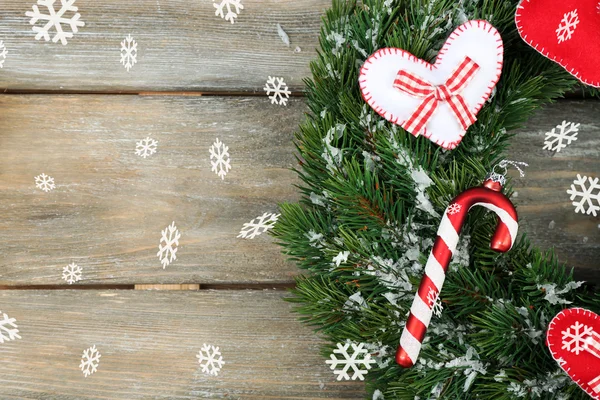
{"x":90,"y":361}
{"x":587,"y":195}
{"x":128,"y":52}
{"x":232,"y":13}
{"x":3,"y":54}
{"x":44,"y":182}
{"x":167,"y":253}
{"x":55,"y":19}
{"x":219,"y":158}
{"x":557,"y":140}
{"x":146,"y":147}
{"x":72,"y":273}
{"x":574,"y":338}
{"x":567,"y":26}
{"x":359,"y":361}
{"x":210,"y":359}
{"x":277,"y":90}
{"x":8,"y":329}
{"x":454,"y":208}
{"x":258,"y":226}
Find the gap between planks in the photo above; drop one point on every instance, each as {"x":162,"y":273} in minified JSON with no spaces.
{"x":172,"y":287}
{"x":142,"y":93}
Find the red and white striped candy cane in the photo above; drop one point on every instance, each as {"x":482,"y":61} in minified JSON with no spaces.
{"x":489,"y":196}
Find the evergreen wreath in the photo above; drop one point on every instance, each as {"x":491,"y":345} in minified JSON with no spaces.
{"x":371,"y":199}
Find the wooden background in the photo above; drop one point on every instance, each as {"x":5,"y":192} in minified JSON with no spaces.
{"x":74,"y":113}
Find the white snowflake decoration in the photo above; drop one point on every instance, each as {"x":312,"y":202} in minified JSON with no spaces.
{"x":574,"y":338}
{"x":258,"y":226}
{"x":433,"y":300}
{"x":44,"y":182}
{"x":72,"y":273}
{"x":589,"y":195}
{"x":167,"y":253}
{"x":230,"y":15}
{"x":210,"y":359}
{"x":3,"y":54}
{"x":90,"y":361}
{"x":359,"y":361}
{"x":146,"y":147}
{"x":221,"y":164}
{"x":454,"y":208}
{"x":128,"y":52}
{"x":279,"y":89}
{"x":567,"y":26}
{"x":8,"y":329}
{"x":55,"y":19}
{"x":555,"y":141}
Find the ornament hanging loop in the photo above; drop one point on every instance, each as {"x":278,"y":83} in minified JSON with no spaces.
{"x":503,"y":165}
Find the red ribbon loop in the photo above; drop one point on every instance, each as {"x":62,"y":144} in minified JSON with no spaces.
{"x":433,"y":95}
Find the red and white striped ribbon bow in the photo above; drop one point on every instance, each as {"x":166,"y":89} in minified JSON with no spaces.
{"x":592,"y":345}
{"x":433,"y":95}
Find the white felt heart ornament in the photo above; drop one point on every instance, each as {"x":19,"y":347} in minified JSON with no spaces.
{"x":438,"y":101}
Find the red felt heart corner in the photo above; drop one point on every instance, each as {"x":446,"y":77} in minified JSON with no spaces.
{"x":573,"y":338}
{"x":565,"y":31}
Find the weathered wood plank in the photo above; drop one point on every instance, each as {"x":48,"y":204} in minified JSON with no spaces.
{"x":148,"y":343}
{"x":543,"y":203}
{"x":182,"y":45}
{"x":110,"y":205}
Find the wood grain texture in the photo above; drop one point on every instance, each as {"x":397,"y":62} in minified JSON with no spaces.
{"x":543,"y":203}
{"x":109,"y":207}
{"x":148,"y":343}
{"x":182,"y":45}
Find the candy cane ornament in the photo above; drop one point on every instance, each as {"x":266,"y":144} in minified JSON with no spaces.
{"x":488,"y":195}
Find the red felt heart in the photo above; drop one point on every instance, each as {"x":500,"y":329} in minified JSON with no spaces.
{"x":574,"y":340}
{"x":565,"y":31}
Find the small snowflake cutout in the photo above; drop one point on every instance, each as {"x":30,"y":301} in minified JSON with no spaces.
{"x":433,"y":300}
{"x":555,"y":140}
{"x":258,"y":226}
{"x":90,"y":361}
{"x":128,"y":52}
{"x":210,"y":359}
{"x":454,"y":208}
{"x":45,"y":182}
{"x":55,"y":19}
{"x":588,"y":195}
{"x":72,"y":273}
{"x":219,"y":158}
{"x":146,"y":147}
{"x":230,"y":15}
{"x":3,"y":54}
{"x":277,"y":91}
{"x":167,"y":252}
{"x":575,"y":337}
{"x":359,"y":361}
{"x":567,"y":26}
{"x":8,"y":329}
